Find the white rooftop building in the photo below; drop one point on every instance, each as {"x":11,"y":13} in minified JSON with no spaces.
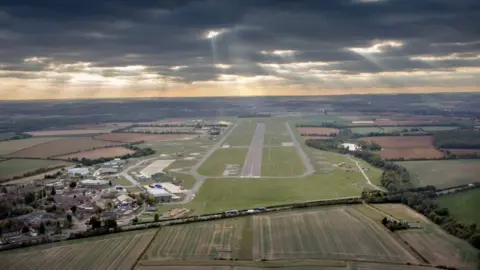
{"x":78,"y":171}
{"x":95,"y":183}
{"x":350,"y":146}
{"x":160,"y":194}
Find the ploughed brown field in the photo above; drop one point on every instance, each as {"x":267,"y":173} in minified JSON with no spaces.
{"x":62,"y":147}
{"x":66,"y":132}
{"x":136,"y":137}
{"x":100,"y":153}
{"x":317,"y":130}
{"x":407,"y":147}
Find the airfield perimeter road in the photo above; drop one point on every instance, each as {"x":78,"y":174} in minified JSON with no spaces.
{"x":306,"y":161}
{"x":253,"y":162}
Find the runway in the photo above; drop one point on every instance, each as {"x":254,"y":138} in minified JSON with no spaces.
{"x":253,"y":161}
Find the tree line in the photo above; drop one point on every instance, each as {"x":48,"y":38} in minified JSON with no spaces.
{"x":139,"y":152}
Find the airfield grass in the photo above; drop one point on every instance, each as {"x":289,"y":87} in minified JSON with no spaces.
{"x":281,"y":161}
{"x":13,"y":167}
{"x":220,"y":194}
{"x":188,"y":180}
{"x":276,"y":133}
{"x":120,"y":180}
{"x":215,"y":164}
{"x":443,"y":173}
{"x":243,"y":133}
{"x":463,"y":205}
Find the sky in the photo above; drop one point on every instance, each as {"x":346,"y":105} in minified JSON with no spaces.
{"x":185,"y":48}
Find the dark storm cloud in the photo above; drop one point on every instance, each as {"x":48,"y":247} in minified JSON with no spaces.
{"x":162,"y":34}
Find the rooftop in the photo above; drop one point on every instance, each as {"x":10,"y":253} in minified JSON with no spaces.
{"x":158,"y":192}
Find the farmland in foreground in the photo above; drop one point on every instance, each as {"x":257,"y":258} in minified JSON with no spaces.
{"x":443,"y":173}
{"x":281,"y":161}
{"x":17,"y":167}
{"x":99,"y":153}
{"x":8,"y":147}
{"x":463,"y":205}
{"x":407,"y":147}
{"x":62,"y":147}
{"x":117,"y":251}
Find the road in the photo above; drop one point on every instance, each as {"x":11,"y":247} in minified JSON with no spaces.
{"x":253,"y":161}
{"x":364,"y":174}
{"x":200,"y":179}
{"x":306,"y":161}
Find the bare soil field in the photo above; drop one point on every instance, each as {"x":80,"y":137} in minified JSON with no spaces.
{"x":407,"y":147}
{"x":99,"y":153}
{"x":201,"y":241}
{"x":317,"y":130}
{"x":401,"y":212}
{"x":8,"y":147}
{"x":339,"y":234}
{"x":67,"y":132}
{"x":112,"y":252}
{"x":136,"y":137}
{"x":62,"y":147}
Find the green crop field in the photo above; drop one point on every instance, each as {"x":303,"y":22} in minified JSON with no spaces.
{"x":463,"y":205}
{"x":7,"y":147}
{"x":443,"y":173}
{"x":365,"y":130}
{"x":281,"y":161}
{"x":243,"y":133}
{"x":17,"y":167}
{"x":215,"y":164}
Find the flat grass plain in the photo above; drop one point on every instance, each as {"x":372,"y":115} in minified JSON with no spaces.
{"x":443,"y":173}
{"x":281,"y":161}
{"x":16,"y":167}
{"x":215,"y":164}
{"x":463,"y":205}
{"x":117,"y":251}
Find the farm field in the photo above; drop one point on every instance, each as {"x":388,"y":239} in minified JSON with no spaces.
{"x":62,"y":147}
{"x":67,"y":132}
{"x":99,"y":153}
{"x":390,"y":129}
{"x":407,"y":147}
{"x":464,"y":151}
{"x":341,"y":233}
{"x":118,"y":251}
{"x":216,"y":163}
{"x":440,"y":248}
{"x":317,"y":130}
{"x":199,"y":241}
{"x":137,"y":137}
{"x":281,"y":161}
{"x":8,"y":147}
{"x":443,"y":173}
{"x":17,"y":167}
{"x":243,"y":133}
{"x":463,"y":206}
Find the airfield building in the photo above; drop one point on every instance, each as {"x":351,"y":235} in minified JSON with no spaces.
{"x":89,"y":183}
{"x":160,"y":194}
{"x":79,"y":172}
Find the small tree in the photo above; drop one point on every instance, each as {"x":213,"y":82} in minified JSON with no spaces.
{"x":135,"y":220}
{"x":95,"y":223}
{"x":42,"y":229}
{"x":110,"y":182}
{"x":69,"y":218}
{"x":140,"y":202}
{"x":110,"y":223}
{"x":53,"y":192}
{"x":156,"y":217}
{"x":73,"y":209}
{"x":58,"y":228}
{"x":73,"y":184}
